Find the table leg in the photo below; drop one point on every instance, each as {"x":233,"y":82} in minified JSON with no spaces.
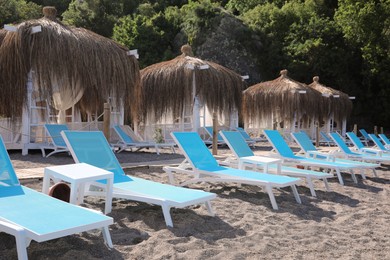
{"x":109,"y":188}
{"x":46,"y":183}
{"x":73,"y":193}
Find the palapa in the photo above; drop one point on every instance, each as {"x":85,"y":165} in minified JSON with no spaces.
{"x":167,"y":86}
{"x":67,"y":60}
{"x":282,"y":98}
{"x":340,"y":107}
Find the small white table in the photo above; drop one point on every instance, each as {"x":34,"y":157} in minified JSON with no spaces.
{"x":260,"y":160}
{"x":78,"y":175}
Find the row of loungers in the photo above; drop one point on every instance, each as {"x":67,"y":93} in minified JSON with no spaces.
{"x":20,"y":205}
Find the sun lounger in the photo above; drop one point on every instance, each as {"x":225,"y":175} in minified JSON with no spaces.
{"x":248,"y":138}
{"x":56,"y":143}
{"x":285,"y":152}
{"x":203,"y":167}
{"x":209,"y":141}
{"x":242,"y":151}
{"x":365,"y":136}
{"x":347,"y":153}
{"x":311,"y":151}
{"x":128,"y":142}
{"x":93,"y":148}
{"x":30,"y":215}
{"x":379,"y":144}
{"x":361,"y":148}
{"x":385,"y":140}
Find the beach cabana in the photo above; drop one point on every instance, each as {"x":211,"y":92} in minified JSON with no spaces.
{"x":182,"y":94}
{"x":51,"y":72}
{"x":338,"y":106}
{"x":282,"y":103}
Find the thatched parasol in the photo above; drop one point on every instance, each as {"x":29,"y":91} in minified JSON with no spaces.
{"x":339,"y":103}
{"x":2,"y":35}
{"x":66,"y":60}
{"x":283,"y":98}
{"x":167,"y":86}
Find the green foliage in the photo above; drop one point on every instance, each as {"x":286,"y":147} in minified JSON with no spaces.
{"x":197,"y":18}
{"x":99,"y":16}
{"x":147,"y":31}
{"x":15,"y":11}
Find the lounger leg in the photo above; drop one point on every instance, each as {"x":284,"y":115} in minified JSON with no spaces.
{"x":296,"y":195}
{"x":340,"y":177}
{"x":311,"y":186}
{"x":326,"y":184}
{"x":20,"y":238}
{"x":157,"y":150}
{"x":271,"y":197}
{"x":374,"y":171}
{"x":362,"y":174}
{"x":107,"y":237}
{"x":167,"y":215}
{"x":353,"y":177}
{"x":171,"y":178}
{"x":209,"y":208}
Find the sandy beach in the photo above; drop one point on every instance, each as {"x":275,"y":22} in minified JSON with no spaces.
{"x":349,"y":222}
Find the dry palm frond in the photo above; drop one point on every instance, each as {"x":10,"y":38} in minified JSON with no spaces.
{"x":340,"y":106}
{"x":282,"y":99}
{"x":168,"y":86}
{"x":63,"y":57}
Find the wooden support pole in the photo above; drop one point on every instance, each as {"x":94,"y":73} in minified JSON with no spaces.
{"x":376,"y":130}
{"x":355,"y":129}
{"x":106,"y":121}
{"x":317,"y":136}
{"x":381,"y":130}
{"x":215,"y":134}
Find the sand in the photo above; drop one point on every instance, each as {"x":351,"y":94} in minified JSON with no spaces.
{"x":349,"y":222}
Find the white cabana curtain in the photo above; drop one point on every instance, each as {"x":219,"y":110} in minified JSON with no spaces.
{"x":64,"y":98}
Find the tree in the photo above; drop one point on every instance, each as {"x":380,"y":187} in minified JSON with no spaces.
{"x":15,"y":11}
{"x":149,"y":32}
{"x":98,"y":16}
{"x":366,"y":26}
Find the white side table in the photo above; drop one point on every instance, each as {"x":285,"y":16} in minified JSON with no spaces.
{"x":260,"y":160}
{"x":78,"y":175}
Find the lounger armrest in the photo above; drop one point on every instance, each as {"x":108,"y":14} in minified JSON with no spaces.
{"x":371,"y":151}
{"x":11,"y":229}
{"x":320,"y":155}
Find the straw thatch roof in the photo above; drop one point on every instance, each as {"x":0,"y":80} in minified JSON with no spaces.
{"x":65,"y":58}
{"x":340,"y":106}
{"x":281,"y":98}
{"x":2,"y":35}
{"x":167,"y":86}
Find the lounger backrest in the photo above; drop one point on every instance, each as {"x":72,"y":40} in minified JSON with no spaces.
{"x":93,"y":148}
{"x":209,"y":130}
{"x":355,"y":140}
{"x":236,"y":143}
{"x":384,"y":138}
{"x":54,"y":131}
{"x":194,"y":150}
{"x":244,"y":133}
{"x":364,"y":134}
{"x":377,"y":142}
{"x":340,"y":143}
{"x":326,"y":138}
{"x":304,"y":141}
{"x":122,"y":134}
{"x":278,"y":143}
{"x":7,"y":172}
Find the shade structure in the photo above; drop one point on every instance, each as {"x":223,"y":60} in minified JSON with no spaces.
{"x":2,"y":35}
{"x":67,"y":61}
{"x":339,"y":106}
{"x":283,"y":99}
{"x":168,"y":87}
